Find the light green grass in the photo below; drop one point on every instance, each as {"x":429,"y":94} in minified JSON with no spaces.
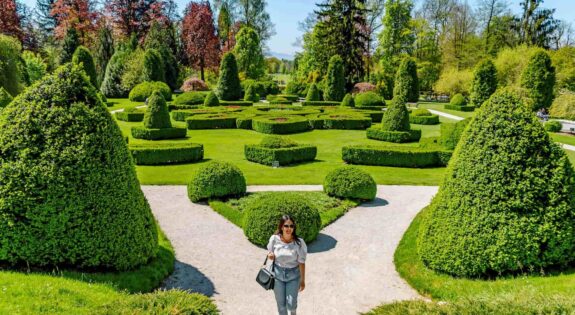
{"x":562,"y":138}
{"x":440,"y":107}
{"x":282,"y":77}
{"x":119,"y":103}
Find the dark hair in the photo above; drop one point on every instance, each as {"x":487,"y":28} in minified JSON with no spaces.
{"x":283,"y":219}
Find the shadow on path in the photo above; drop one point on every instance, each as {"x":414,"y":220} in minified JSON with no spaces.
{"x":189,"y":278}
{"x":377,"y":202}
{"x":322,"y":243}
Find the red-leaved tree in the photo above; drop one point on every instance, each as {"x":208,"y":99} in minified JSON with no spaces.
{"x":76,"y":14}
{"x":10,"y":22}
{"x":136,"y":16}
{"x":201,"y":45}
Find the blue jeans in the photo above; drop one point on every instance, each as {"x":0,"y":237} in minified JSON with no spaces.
{"x":286,"y":288}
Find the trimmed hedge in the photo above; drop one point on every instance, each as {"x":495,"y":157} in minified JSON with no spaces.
{"x":458,"y":100}
{"x":130,"y":114}
{"x":216,"y":179}
{"x":143,"y":90}
{"x":158,"y":134}
{"x":465,"y":108}
{"x":172,"y":107}
{"x":157,"y":115}
{"x":320,"y":103}
{"x":263,"y":214}
{"x":235,"y":103}
{"x":277,"y":142}
{"x":280,"y":124}
{"x":344,"y":121}
{"x":369,"y":99}
{"x":211,"y":121}
{"x":289,"y":97}
{"x":211,"y":100}
{"x":350,"y":182}
{"x":280,"y":102}
{"x":244,"y":122}
{"x":348,"y":101}
{"x":376,"y":116}
{"x":284,"y":156}
{"x":395,"y":156}
{"x":167,"y":153}
{"x":553,"y":126}
{"x":424,"y":120}
{"x":190,"y":98}
{"x":377,"y":133}
{"x":282,"y":110}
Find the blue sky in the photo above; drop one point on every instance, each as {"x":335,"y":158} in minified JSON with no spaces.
{"x":286,"y":14}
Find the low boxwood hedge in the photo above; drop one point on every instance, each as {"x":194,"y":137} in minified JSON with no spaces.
{"x":341,"y":120}
{"x":280,"y":124}
{"x":463,"y":108}
{"x":235,"y":103}
{"x":376,"y":115}
{"x":244,"y":122}
{"x":284,"y":156}
{"x":377,"y":133}
{"x":158,"y":134}
{"x":212,"y":121}
{"x":280,"y":102}
{"x":321,"y":103}
{"x":282,"y":110}
{"x":450,"y":133}
{"x":290,"y":97}
{"x":167,"y":153}
{"x":130,"y":114}
{"x":424,"y":120}
{"x":216,"y":179}
{"x":190,"y":98}
{"x":172,"y":107}
{"x":143,"y":90}
{"x":395,"y":156}
{"x":350,"y":182}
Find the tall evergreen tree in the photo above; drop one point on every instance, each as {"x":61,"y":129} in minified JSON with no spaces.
{"x":539,"y":79}
{"x":229,"y":88}
{"x":224,"y":24}
{"x":159,"y":38}
{"x":249,"y":53}
{"x":44,"y":18}
{"x":406,"y":81}
{"x":335,"y":80}
{"x":484,"y":82}
{"x":71,"y":42}
{"x":83,"y":56}
{"x":104,"y":51}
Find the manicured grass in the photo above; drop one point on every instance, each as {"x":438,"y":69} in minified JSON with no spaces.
{"x":562,"y":138}
{"x":124,"y":103}
{"x":440,"y":107}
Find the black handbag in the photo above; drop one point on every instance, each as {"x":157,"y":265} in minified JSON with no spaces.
{"x":266,"y":277}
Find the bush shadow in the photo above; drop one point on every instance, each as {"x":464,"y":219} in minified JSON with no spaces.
{"x":322,"y":243}
{"x":189,"y":278}
{"x":377,"y":202}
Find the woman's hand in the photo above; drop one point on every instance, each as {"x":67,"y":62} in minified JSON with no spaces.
{"x":301,"y":285}
{"x":271,"y":256}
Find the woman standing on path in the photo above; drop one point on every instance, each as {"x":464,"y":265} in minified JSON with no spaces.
{"x":288,"y":252}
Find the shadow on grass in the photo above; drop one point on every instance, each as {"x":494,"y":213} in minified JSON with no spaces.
{"x":189,"y":278}
{"x":322,"y":243}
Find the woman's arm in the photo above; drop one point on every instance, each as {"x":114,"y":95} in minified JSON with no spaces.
{"x":302,"y":277}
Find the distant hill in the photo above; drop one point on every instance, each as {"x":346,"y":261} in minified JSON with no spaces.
{"x":279,"y":55}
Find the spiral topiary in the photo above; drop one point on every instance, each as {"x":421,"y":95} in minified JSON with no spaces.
{"x":211,"y":100}
{"x":350,"y":182}
{"x":262,"y":215}
{"x":216,"y":179}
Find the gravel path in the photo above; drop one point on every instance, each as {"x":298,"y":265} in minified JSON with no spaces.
{"x":349,"y":268}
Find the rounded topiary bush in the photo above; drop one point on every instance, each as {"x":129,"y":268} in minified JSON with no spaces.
{"x":458,"y":100}
{"x":216,"y":179}
{"x":211,"y":100}
{"x":5,"y":97}
{"x":157,"y":115}
{"x":262,"y":216}
{"x":553,"y":126}
{"x":368,"y":99}
{"x":421,"y":112}
{"x":506,"y":202}
{"x":190,"y":98}
{"x":350,"y":182}
{"x":348,"y":101}
{"x":70,"y":195}
{"x":276,"y":142}
{"x":143,"y":90}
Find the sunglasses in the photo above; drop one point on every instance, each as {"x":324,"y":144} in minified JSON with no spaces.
{"x":291,"y":226}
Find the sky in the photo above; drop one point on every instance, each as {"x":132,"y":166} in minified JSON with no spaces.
{"x":286,"y":14}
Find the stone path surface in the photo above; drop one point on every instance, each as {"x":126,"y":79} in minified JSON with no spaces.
{"x":349,"y":267}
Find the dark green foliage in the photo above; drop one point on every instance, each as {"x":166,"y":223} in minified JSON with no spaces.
{"x":464,"y":108}
{"x":10,"y":75}
{"x":289,"y":97}
{"x":112,"y":84}
{"x":458,"y":100}
{"x":377,"y":133}
{"x":235,"y":103}
{"x":369,"y":99}
{"x":158,"y":134}
{"x":262,"y":88}
{"x":422,"y":116}
{"x":348,"y":101}
{"x":396,"y":118}
{"x":250,"y":95}
{"x":406,"y":82}
{"x":244,"y":122}
{"x":167,"y":154}
{"x":5,"y":97}
{"x":23,"y":69}
{"x":420,"y":112}
{"x":160,"y":39}
{"x":343,"y":121}
{"x":157,"y":115}
{"x":71,"y":42}
{"x":216,"y":179}
{"x":335,"y":80}
{"x":262,"y":216}
{"x":312,"y":93}
{"x":295,"y":87}
{"x":153,"y":66}
{"x":130,"y":114}
{"x":163,"y":302}
{"x":74,"y":182}
{"x":280,"y":125}
{"x":83,"y":56}
{"x":212,"y":121}
{"x":143,"y":90}
{"x":321,"y":103}
{"x":506,"y":203}
{"x":451,"y":133}
{"x":395,"y":156}
{"x":229,"y":88}
{"x":484,"y":83}
{"x":539,"y":79}
{"x":553,"y":126}
{"x":350,"y":182}
{"x":211,"y":100}
{"x":284,"y":156}
{"x":190,"y":98}
{"x":277,"y":142}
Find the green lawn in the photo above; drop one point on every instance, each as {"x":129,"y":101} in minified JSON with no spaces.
{"x":440,"y":107}
{"x":563,"y":138}
{"x":119,"y":103}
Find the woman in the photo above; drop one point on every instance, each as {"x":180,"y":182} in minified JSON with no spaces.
{"x":288,"y":252}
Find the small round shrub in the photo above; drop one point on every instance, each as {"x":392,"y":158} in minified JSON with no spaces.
{"x":211,"y":100}
{"x":251,"y":95}
{"x":553,"y":126}
{"x":143,"y":90}
{"x":262,"y":215}
{"x":276,"y":142}
{"x":369,"y":99}
{"x":190,"y":98}
{"x":420,"y":112}
{"x":216,"y":179}
{"x":350,"y":182}
{"x":312,"y":93}
{"x":5,"y":97}
{"x":157,"y":115}
{"x":348,"y":101}
{"x":458,"y":100}
{"x":194,"y":84}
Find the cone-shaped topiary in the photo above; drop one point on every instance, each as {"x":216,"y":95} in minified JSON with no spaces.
{"x":406,"y":81}
{"x":83,"y":56}
{"x":211,"y":100}
{"x":251,"y":95}
{"x":157,"y":115}
{"x":70,"y":195}
{"x":229,"y":87}
{"x":112,"y":84}
{"x":335,"y":80}
{"x":484,"y":83}
{"x":396,"y":117}
{"x":312,"y":93}
{"x":348,"y":101}
{"x":5,"y":97}
{"x":539,"y":79}
{"x":153,"y":66}
{"x":506,"y":202}
{"x":216,"y":179}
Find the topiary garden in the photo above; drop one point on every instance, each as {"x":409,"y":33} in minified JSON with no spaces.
{"x":280,"y":150}
{"x":157,"y":123}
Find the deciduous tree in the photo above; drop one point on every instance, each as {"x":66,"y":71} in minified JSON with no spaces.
{"x":76,"y":14}
{"x":249,"y":53}
{"x":10,"y":22}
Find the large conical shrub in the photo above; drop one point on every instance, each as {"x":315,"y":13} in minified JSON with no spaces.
{"x":69,"y":191}
{"x":312,"y":93}
{"x":406,"y":81}
{"x":506,"y":202}
{"x":539,"y":79}
{"x":484,"y":82}
{"x":83,"y":56}
{"x":229,"y":88}
{"x":112,"y":84}
{"x":396,"y":117}
{"x":335,"y":80}
{"x":153,"y":66}
{"x":157,"y":115}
